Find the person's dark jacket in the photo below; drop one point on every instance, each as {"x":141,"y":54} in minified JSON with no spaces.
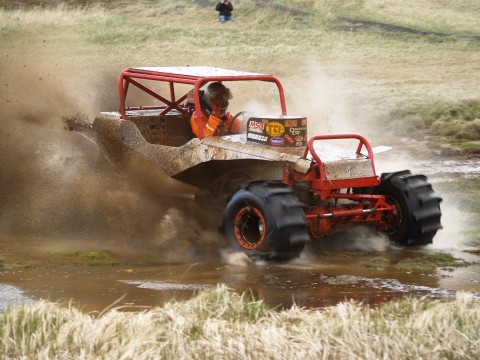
{"x":224,"y":9}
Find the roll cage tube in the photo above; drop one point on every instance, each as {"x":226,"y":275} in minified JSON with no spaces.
{"x":127,"y":77}
{"x":202,"y":82}
{"x":369,"y":181}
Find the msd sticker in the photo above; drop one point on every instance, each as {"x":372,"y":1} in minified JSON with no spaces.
{"x":276,"y":141}
{"x":255,"y":130}
{"x":275,"y":129}
{"x":256,"y":125}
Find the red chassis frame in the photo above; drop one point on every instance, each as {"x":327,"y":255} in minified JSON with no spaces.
{"x":193,"y":75}
{"x":364,"y":209}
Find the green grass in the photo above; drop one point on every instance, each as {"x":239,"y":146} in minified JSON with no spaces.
{"x":91,"y":258}
{"x":443,"y":17}
{"x":429,"y":261}
{"x":459,"y":120}
{"x":93,"y":255}
{"x":342,"y":280}
{"x":454,"y":123}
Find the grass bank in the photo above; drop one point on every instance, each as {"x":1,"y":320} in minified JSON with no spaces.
{"x":222,"y":324}
{"x":452,"y":128}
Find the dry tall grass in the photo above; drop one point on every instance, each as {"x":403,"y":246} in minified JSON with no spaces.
{"x":220,"y":324}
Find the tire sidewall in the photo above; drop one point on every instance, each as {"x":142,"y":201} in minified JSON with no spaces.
{"x":246,"y":198}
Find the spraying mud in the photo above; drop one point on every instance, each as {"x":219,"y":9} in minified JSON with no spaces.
{"x":57,"y":186}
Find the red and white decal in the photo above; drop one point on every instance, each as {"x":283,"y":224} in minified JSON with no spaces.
{"x":289,"y":139}
{"x":256,"y":125}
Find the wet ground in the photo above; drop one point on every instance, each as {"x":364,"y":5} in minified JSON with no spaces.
{"x":312,"y":281}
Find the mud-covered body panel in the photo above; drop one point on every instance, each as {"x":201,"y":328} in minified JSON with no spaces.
{"x":122,"y":139}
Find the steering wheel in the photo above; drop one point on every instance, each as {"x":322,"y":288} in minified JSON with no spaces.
{"x":235,"y":119}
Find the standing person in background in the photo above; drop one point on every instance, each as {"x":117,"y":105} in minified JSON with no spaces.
{"x":225,"y":8}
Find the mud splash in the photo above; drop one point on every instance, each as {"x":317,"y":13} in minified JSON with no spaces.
{"x":58,"y":186}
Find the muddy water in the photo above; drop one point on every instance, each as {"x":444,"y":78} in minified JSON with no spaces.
{"x":312,"y":281}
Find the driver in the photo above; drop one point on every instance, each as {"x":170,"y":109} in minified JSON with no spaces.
{"x":215,"y":118}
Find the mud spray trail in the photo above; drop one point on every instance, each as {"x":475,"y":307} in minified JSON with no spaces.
{"x":57,"y":189}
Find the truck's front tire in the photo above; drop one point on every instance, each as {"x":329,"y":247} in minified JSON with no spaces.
{"x":266,"y":220}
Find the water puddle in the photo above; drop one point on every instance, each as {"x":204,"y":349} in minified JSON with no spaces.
{"x":418,"y":158}
{"x":310,"y":283}
{"x":11,"y":295}
{"x":450,"y":169}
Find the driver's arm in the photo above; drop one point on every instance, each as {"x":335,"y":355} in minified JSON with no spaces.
{"x":209,"y":125}
{"x":236,"y":126}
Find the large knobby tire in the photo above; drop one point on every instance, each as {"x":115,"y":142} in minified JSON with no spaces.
{"x":418,"y":208}
{"x":266,"y":220}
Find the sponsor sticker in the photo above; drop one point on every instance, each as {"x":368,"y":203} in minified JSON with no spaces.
{"x":257,"y":137}
{"x":291,"y":123}
{"x":276,"y":141}
{"x":255,"y":130}
{"x":289,"y":138}
{"x":297,"y":131}
{"x":256,"y":125}
{"x":275,"y":129}
{"x":278,"y":132}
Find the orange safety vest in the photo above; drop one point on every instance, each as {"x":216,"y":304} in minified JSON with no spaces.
{"x":211,"y":125}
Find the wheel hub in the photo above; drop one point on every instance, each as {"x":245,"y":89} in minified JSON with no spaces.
{"x":396,"y":218}
{"x":250,"y":228}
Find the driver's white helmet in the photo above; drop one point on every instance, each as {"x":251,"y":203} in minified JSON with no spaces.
{"x":213,"y":91}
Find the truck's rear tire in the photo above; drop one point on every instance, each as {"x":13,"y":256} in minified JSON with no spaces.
{"x":418,"y":208}
{"x":266,"y":220}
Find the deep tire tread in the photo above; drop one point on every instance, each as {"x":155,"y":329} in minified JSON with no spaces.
{"x":288,"y":230}
{"x":420,"y":203}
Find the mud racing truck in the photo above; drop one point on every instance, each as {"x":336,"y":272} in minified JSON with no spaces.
{"x":278,"y":188}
